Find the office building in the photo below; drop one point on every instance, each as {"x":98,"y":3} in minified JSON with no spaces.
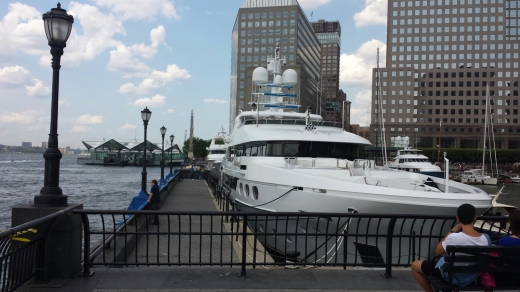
{"x":441,"y":57}
{"x":44,"y":145}
{"x":329,"y":36}
{"x":259,"y":26}
{"x":26,"y":145}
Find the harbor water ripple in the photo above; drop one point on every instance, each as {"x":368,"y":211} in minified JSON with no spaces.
{"x":96,"y":187}
{"x":102,"y":187}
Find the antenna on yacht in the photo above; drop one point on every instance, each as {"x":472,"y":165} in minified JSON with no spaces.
{"x":307,"y":115}
{"x":380,"y":106}
{"x":278,"y":97}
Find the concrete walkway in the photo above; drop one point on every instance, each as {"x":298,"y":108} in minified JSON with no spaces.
{"x":194,"y":195}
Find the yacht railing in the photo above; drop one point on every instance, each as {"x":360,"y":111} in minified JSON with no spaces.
{"x":291,"y":122}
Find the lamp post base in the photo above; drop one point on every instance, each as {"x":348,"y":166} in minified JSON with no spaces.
{"x":50,"y":197}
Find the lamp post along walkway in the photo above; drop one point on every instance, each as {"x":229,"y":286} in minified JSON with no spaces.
{"x":163,"y":132}
{"x":146,"y":114}
{"x":58,"y":25}
{"x":171,"y":148}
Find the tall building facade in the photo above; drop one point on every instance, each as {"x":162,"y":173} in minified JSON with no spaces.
{"x":26,"y":145}
{"x":441,"y":57}
{"x":259,"y":27}
{"x":329,"y":35}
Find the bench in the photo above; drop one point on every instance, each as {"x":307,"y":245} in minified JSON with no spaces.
{"x":485,"y":263}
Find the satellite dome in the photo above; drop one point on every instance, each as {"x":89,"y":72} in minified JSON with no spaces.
{"x":260,"y":75}
{"x":290,"y":77}
{"x":278,"y":80}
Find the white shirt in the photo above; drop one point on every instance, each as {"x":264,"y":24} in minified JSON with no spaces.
{"x":463,"y":239}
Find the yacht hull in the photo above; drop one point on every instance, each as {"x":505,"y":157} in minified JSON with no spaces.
{"x":345,"y":240}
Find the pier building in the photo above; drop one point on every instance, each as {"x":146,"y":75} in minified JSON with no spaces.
{"x":441,"y":56}
{"x":258,"y":27}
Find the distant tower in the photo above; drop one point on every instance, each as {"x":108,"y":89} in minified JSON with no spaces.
{"x":185,"y":135}
{"x":190,"y":150}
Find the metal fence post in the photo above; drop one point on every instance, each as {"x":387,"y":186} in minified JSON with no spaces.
{"x":244,"y":242}
{"x":86,"y":246}
{"x":389,"y":240}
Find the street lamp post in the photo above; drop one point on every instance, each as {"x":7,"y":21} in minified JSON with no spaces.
{"x":163,"y":132}
{"x":146,"y":114}
{"x":171,"y":148}
{"x":57,"y":24}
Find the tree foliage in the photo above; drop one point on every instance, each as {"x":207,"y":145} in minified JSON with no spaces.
{"x":199,"y":147}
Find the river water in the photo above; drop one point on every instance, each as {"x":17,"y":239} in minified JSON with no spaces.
{"x":102,"y":187}
{"x":96,"y":187}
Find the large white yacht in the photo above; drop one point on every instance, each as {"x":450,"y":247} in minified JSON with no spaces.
{"x":279,"y":161}
{"x":412,"y":160}
{"x":217,"y":151}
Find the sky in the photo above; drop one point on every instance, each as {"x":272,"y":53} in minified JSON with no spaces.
{"x":172,"y":56}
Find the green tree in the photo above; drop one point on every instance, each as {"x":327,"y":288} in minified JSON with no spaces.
{"x":199,"y":147}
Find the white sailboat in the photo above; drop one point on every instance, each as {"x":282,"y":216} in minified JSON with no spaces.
{"x":479,"y":176}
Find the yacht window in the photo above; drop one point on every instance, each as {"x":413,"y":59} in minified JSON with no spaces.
{"x":274,"y":149}
{"x":290,"y":149}
{"x":399,"y":161}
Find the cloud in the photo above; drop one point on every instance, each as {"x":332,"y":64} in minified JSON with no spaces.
{"x":23,"y":118}
{"x":21,"y":30}
{"x":89,"y":120}
{"x":356,"y":72}
{"x":356,"y":69}
{"x":98,"y":30}
{"x":156,"y":100}
{"x":156,"y":79}
{"x":135,"y":9}
{"x":81,"y":129}
{"x":157,"y":35}
{"x":128,"y":126}
{"x":360,"y":109}
{"x":64,"y":103}
{"x":170,"y":111}
{"x":38,"y":89}
{"x":14,"y":75}
{"x":311,"y":4}
{"x":375,"y":12}
{"x":19,"y":77}
{"x":214,"y":100}
{"x":122,"y":59}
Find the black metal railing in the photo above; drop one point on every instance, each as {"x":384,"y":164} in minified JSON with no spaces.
{"x":243,"y":239}
{"x":22,"y":251}
{"x":96,"y":244}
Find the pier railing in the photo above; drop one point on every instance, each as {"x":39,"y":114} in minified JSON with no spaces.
{"x":22,"y":252}
{"x":244,"y":239}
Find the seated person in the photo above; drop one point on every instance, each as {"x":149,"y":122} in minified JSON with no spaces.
{"x":466,"y":215}
{"x":513,"y":240}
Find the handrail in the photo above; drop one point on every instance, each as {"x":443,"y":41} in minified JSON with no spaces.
{"x":27,"y":225}
{"x":400,"y":238}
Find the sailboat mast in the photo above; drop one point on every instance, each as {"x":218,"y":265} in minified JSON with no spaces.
{"x":485,"y":131}
{"x":380,"y":102}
